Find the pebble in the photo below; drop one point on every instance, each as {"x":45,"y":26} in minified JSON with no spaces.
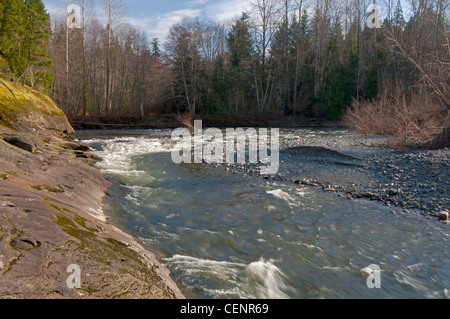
{"x":443,"y":216}
{"x":393,"y":192}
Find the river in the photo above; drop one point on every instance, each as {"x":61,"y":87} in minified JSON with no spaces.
{"x":225,"y":235}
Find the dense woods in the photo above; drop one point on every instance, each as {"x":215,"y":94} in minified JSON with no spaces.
{"x":282,"y":58}
{"x":24,"y":36}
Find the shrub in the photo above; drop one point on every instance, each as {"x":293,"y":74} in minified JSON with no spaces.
{"x":416,"y":121}
{"x":187,"y":120}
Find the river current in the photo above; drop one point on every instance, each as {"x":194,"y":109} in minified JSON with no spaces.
{"x":224,"y":235}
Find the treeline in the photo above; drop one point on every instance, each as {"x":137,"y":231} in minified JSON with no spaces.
{"x":310,"y":58}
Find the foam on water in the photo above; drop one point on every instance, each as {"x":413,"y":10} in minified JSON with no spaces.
{"x":117,"y":153}
{"x":259,"y":279}
{"x":293,"y":198}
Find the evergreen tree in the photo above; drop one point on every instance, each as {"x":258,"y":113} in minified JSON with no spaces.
{"x":240,"y":47}
{"x":12,"y":31}
{"x":239,"y":42}
{"x":24,"y":35}
{"x":156,"y":52}
{"x":36,"y":59}
{"x":399,"y":19}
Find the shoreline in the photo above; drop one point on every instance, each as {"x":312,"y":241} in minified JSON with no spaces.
{"x":362,"y":167}
{"x":52,"y":216}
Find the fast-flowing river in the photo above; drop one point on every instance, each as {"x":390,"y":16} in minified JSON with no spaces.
{"x":224,"y":235}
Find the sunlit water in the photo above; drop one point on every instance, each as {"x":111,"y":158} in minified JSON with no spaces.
{"x":224,"y":235}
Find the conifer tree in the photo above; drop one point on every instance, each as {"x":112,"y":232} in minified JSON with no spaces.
{"x":36,"y":59}
{"x":24,"y":35}
{"x":399,"y":19}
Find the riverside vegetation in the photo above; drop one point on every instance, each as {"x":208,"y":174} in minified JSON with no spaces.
{"x":280,"y":62}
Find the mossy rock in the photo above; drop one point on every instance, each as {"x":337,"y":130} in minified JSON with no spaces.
{"x":24,"y":108}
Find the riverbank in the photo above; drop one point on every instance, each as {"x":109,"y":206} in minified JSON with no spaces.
{"x":360,"y":167}
{"x":51,"y":214}
{"x":172,"y":121}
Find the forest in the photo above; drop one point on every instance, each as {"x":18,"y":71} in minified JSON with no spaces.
{"x":283,"y":60}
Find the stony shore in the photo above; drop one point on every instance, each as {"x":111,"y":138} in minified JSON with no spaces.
{"x":52,"y":217}
{"x":359,"y":167}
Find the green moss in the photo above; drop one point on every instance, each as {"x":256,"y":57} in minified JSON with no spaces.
{"x":49,"y":188}
{"x":103,"y":252}
{"x":82,"y":222}
{"x":4,"y":176}
{"x":107,"y":251}
{"x":55,"y":207}
{"x":64,"y":221}
{"x":16,"y":100}
{"x":48,"y":199}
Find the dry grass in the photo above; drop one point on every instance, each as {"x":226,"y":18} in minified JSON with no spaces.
{"x":412,"y":122}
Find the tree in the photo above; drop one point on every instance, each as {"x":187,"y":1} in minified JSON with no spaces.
{"x":24,"y":34}
{"x":156,"y":52}
{"x":265,"y":16}
{"x":399,"y":19}
{"x":113,"y":9}
{"x":240,"y":48}
{"x":183,"y":51}
{"x":301,"y":38}
{"x":12,"y":32}
{"x":36,"y":41}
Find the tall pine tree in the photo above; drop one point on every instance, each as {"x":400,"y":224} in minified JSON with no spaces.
{"x":36,"y":59}
{"x":24,"y":35}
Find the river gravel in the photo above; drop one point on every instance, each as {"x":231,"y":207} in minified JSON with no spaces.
{"x":358,"y":167}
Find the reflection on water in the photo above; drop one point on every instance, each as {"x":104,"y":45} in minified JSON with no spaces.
{"x":229,"y":236}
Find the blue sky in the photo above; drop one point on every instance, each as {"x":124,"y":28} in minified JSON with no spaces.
{"x":155,"y":17}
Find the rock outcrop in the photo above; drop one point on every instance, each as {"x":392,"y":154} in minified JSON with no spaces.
{"x":51,"y":213}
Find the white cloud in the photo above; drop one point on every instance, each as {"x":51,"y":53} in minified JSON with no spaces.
{"x":226,"y":9}
{"x":141,"y":23}
{"x":158,"y":25}
{"x":165,"y":21}
{"x":219,"y":10}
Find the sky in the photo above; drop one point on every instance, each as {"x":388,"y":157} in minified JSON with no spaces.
{"x":155,"y":17}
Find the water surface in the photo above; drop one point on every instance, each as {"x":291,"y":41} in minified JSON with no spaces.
{"x":224,"y":235}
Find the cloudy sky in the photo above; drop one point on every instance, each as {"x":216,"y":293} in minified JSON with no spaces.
{"x":157,"y":16}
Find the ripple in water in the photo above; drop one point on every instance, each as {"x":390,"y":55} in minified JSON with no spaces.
{"x":229,"y":236}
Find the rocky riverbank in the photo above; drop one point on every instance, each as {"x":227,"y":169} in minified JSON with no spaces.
{"x":51,"y":214}
{"x":359,"y":167}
